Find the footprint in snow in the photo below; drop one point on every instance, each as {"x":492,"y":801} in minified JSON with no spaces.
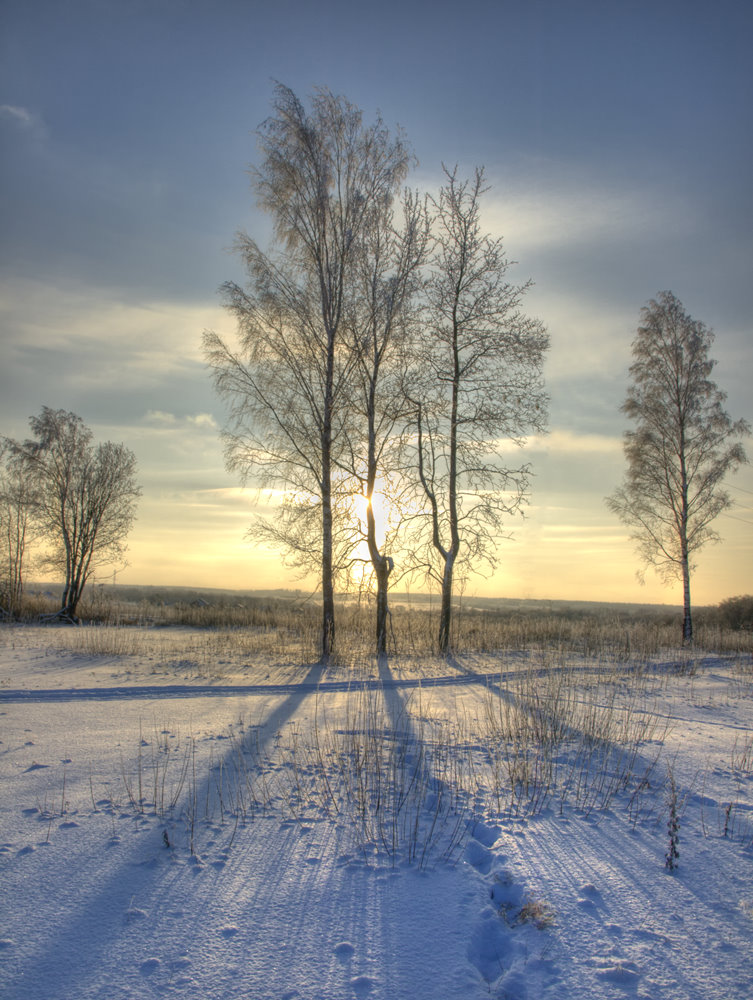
{"x":363,"y":985}
{"x":489,"y":948}
{"x":478,"y":856}
{"x":230,"y":930}
{"x":344,"y":951}
{"x":590,"y":898}
{"x":149,"y":965}
{"x":485,"y":834}
{"x":505,"y":893}
{"x":625,"y":974}
{"x":6,"y":943}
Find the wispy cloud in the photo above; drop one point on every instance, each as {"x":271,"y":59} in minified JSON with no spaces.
{"x":193,"y":421}
{"x":160,"y":418}
{"x":561,"y":442}
{"x":21,"y":116}
{"x":23,"y":119}
{"x":203,"y":420}
{"x":540,"y":204}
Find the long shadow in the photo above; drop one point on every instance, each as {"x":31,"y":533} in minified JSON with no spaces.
{"x":308,"y":685}
{"x":395,"y":702}
{"x":58,"y":968}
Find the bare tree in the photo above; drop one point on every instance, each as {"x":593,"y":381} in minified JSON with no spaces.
{"x":17,"y":503}
{"x":84,"y":497}
{"x":682,"y":447}
{"x":381,"y":312}
{"x":479,"y":385}
{"x":322,"y":175}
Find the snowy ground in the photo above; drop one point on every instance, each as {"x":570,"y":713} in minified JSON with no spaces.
{"x":179,"y":818}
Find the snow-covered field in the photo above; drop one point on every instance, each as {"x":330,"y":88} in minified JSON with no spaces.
{"x":181,"y":817}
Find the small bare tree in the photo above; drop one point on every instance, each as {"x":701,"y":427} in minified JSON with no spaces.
{"x":84,"y":497}
{"x":683,"y":445}
{"x":321,"y":178}
{"x":477,"y":384}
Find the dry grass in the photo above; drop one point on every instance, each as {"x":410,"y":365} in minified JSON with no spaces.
{"x":566,"y":724}
{"x":292,"y":624}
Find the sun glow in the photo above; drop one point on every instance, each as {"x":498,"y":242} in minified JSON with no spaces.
{"x":380,"y":507}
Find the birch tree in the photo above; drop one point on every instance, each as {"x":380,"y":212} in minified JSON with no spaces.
{"x":683,"y":446}
{"x":322,"y":174}
{"x":479,"y":388}
{"x":387,"y":282}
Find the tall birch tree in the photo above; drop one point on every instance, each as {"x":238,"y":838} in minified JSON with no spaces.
{"x":381,"y":317}
{"x":683,"y":445}
{"x":323,"y":172}
{"x":479,"y":389}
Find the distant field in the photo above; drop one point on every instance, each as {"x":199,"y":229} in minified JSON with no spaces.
{"x":137,"y":593}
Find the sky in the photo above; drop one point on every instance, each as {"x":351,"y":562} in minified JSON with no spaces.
{"x":617,"y":140}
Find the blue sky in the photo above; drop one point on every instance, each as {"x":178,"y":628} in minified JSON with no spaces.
{"x":616,"y":136}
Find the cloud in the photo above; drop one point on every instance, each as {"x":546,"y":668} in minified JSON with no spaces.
{"x":203,"y":420}
{"x":563,"y":442}
{"x":159,"y":417}
{"x":12,"y":113}
{"x":577,"y":213}
{"x":109,"y":360}
{"x":542,"y":204}
{"x":19,"y":116}
{"x":189,"y":423}
{"x":23,"y":120}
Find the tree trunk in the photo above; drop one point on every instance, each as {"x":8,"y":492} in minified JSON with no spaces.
{"x":328,"y":590}
{"x":687,"y":620}
{"x":445,"y":611}
{"x":382,"y":569}
{"x":65,"y":599}
{"x":328,"y":587}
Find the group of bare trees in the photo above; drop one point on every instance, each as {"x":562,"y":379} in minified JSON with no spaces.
{"x":74,"y":498}
{"x":383,"y":361}
{"x":382,"y":358}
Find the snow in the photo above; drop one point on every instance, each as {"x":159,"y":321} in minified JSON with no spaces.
{"x":176,"y":826}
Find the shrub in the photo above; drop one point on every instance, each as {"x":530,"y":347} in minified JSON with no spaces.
{"x":737,"y":612}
